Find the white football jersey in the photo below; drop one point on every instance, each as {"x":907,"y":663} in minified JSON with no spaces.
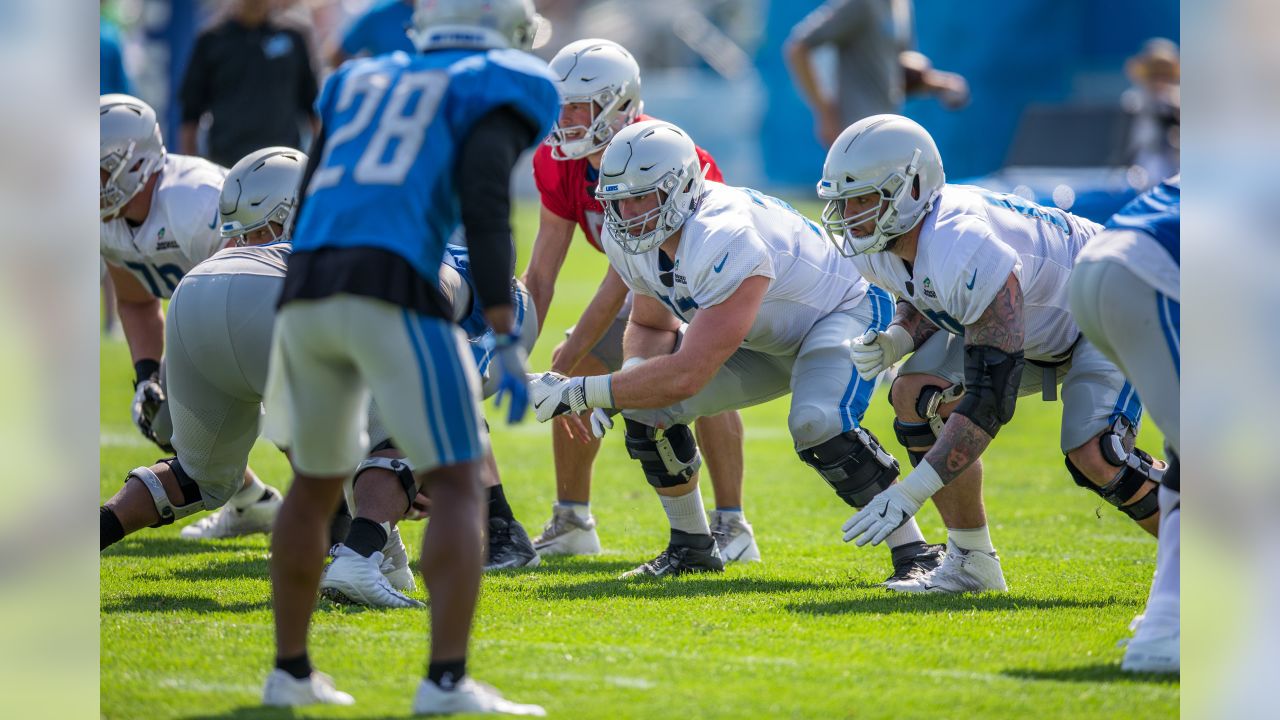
{"x":181,"y":230}
{"x":969,"y":243}
{"x":736,"y":233}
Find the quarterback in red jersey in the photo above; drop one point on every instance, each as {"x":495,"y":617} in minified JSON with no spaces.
{"x":600,"y":94}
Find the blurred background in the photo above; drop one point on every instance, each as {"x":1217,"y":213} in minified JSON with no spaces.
{"x":1073,"y":104}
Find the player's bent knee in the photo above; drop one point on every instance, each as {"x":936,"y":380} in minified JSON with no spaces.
{"x":190,"y":503}
{"x":854,"y":465}
{"x":397,"y":466}
{"x":1132,"y":472}
{"x":669,"y":457}
{"x":811,"y":423}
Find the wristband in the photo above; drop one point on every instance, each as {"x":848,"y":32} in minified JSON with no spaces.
{"x":598,"y":390}
{"x":921,"y":483}
{"x":144,"y":369}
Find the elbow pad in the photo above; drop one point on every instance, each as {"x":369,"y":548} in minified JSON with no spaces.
{"x":991,"y":378}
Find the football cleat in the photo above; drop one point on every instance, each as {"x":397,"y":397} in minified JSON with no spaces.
{"x":960,"y":571}
{"x":284,"y":690}
{"x":913,"y":561}
{"x":353,"y":579}
{"x":734,"y":537}
{"x":468,"y":696}
{"x":567,"y":534}
{"x":1154,"y":648}
{"x":395,"y":563}
{"x":228,"y":522}
{"x":509,"y":546}
{"x":680,"y":558}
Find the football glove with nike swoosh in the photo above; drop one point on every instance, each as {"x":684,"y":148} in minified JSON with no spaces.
{"x":890,"y":509}
{"x":554,"y":394}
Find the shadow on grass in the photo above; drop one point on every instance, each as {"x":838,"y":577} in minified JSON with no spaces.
{"x":657,"y":588}
{"x":885,"y":602}
{"x":237,"y":568}
{"x":571,"y":566}
{"x":140,"y":545}
{"x":1097,"y":673}
{"x":154,"y":602}
{"x":270,"y":713}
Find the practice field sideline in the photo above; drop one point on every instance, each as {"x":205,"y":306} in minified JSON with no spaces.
{"x":186,"y":626}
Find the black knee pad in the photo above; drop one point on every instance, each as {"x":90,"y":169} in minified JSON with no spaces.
{"x":399,"y":466}
{"x":1136,"y":468}
{"x":854,"y":465}
{"x":1172,"y":475}
{"x":918,"y":434}
{"x":669,"y":457}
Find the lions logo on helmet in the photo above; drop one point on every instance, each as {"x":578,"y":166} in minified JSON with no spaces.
{"x":649,"y":157}
{"x":604,"y":74}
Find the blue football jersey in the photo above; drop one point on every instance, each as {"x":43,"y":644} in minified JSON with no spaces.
{"x":458,"y":258}
{"x":393,"y":125}
{"x":1157,"y":213}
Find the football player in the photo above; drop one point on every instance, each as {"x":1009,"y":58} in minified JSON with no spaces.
{"x":770,"y":308}
{"x":982,"y":283}
{"x":216,"y":370}
{"x":410,"y":147}
{"x":1125,"y":296}
{"x":599,"y":85}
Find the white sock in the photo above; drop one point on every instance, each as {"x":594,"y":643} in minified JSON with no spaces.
{"x":1164,"y":603}
{"x":735,"y":513}
{"x":687,"y":513}
{"x":978,"y":538}
{"x":908,"y":532}
{"x":248,"y":495}
{"x":581,"y":510}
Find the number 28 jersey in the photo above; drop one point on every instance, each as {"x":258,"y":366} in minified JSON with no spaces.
{"x":393,"y":126}
{"x":180,"y":231}
{"x":969,"y":243}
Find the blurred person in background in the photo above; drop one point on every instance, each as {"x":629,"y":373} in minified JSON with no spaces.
{"x":875,"y":67}
{"x":1156,"y":104}
{"x":377,"y":31}
{"x":255,"y":79}
{"x":112,"y":78}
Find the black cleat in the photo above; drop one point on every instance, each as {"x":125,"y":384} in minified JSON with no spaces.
{"x":509,"y":546}
{"x":914,"y":560}
{"x":686,"y":553}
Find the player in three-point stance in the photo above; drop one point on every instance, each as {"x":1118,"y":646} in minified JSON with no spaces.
{"x":1125,"y":296}
{"x":982,"y":285}
{"x":770,"y":308}
{"x":599,"y":85}
{"x":410,"y":147}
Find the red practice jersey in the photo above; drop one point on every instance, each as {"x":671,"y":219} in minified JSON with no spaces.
{"x":568,"y":188}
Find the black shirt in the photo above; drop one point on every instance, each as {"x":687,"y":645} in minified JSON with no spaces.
{"x":257,"y":83}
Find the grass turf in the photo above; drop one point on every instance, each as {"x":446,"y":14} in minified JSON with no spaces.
{"x":186,"y":626}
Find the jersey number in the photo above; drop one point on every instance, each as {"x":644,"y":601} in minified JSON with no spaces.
{"x":399,"y":125}
{"x":759,"y":198}
{"x":1022,"y":206}
{"x":170,"y":274}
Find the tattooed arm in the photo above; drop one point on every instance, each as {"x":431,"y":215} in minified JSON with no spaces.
{"x":919,"y":327}
{"x":1000,"y":326}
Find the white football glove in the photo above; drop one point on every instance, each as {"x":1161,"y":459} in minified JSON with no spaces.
{"x":601,"y":422}
{"x":892,"y":507}
{"x":874,"y":352}
{"x":554,"y":394}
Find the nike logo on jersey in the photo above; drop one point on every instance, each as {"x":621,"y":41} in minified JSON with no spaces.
{"x":214,"y":222}
{"x":720,"y":265}
{"x":972,"y":280}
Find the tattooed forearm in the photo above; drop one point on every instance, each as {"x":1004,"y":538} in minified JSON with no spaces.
{"x":1001,"y":324}
{"x":918,"y":326}
{"x":961,"y":444}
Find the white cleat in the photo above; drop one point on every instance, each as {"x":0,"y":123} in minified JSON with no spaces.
{"x":960,"y":571}
{"x":734,"y":537}
{"x":395,"y":563}
{"x":567,"y":534}
{"x":357,"y":580}
{"x":284,"y":690}
{"x":228,"y":522}
{"x":1154,"y":648}
{"x":468,"y":696}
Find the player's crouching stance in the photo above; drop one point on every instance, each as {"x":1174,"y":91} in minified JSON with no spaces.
{"x":770,"y":308}
{"x":216,"y":371}
{"x":992,"y":271}
{"x":1125,"y":295}
{"x":410,"y":148}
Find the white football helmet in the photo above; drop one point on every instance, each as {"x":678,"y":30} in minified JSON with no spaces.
{"x":261,"y":189}
{"x":649,"y":157}
{"x":603,"y":73}
{"x":475,"y":24}
{"x":130,"y":150}
{"x":885,"y":154}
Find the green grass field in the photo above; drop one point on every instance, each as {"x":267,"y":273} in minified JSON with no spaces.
{"x":186,"y":627}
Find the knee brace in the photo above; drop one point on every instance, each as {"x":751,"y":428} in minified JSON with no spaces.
{"x":992,"y":377}
{"x":915,"y":434}
{"x":1136,"y":469}
{"x":1172,"y":481}
{"x":669,"y":457}
{"x":854,"y":465}
{"x":192,"y":501}
{"x":402,"y":471}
